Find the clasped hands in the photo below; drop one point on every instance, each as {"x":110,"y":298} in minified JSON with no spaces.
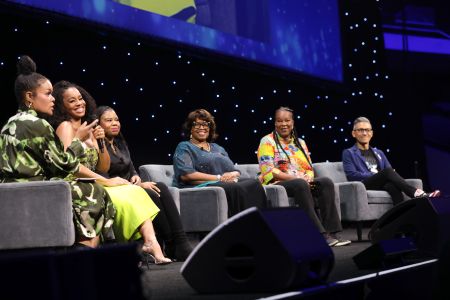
{"x":230,"y":176}
{"x":304,"y":176}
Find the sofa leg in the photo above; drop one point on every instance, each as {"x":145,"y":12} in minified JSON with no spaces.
{"x":359,"y":225}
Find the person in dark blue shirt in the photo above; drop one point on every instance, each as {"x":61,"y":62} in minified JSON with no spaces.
{"x":370,"y":166}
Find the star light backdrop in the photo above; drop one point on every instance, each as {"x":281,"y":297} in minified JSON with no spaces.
{"x":154,"y":85}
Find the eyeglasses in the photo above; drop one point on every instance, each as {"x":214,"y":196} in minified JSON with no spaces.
{"x":201,"y":124}
{"x":362,"y":130}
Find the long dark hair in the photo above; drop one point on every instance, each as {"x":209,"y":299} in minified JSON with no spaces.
{"x":60,"y":113}
{"x":119,"y":140}
{"x":294,"y":135}
{"x":27,"y":79}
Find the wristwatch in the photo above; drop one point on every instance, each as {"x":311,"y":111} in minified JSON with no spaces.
{"x":218,"y":177}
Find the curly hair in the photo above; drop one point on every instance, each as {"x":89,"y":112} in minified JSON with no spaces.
{"x":27,"y":79}
{"x":203,"y":115}
{"x":60,"y":114}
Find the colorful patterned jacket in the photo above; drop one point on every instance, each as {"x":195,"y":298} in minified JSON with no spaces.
{"x":272,"y":159}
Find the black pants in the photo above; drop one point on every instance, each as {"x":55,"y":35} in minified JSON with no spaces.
{"x":391,"y":182}
{"x":167,"y":222}
{"x":243,"y":194}
{"x":322,"y":194}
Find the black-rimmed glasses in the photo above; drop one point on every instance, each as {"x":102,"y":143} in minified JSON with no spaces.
{"x":362,"y":130}
{"x":198,"y":125}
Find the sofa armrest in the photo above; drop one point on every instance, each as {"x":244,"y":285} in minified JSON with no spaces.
{"x":415,"y":182}
{"x":276,"y":196}
{"x":202,"y":209}
{"x":175,"y":192}
{"x":36,"y":214}
{"x":353,"y":200}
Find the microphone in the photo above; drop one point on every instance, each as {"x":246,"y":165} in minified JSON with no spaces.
{"x":101,"y":145}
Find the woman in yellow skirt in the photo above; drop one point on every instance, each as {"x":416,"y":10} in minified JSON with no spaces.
{"x":134,"y":208}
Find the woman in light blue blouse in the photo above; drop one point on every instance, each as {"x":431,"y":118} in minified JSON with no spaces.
{"x":200,"y":162}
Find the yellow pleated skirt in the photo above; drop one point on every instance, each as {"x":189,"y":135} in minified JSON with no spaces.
{"x":133,"y":206}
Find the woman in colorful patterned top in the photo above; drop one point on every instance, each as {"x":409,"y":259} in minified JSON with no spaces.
{"x":31,"y":152}
{"x":199,"y":161}
{"x":135,"y":209}
{"x":284,"y":159}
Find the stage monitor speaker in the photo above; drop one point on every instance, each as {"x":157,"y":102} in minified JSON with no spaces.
{"x":384,"y":254}
{"x":425,"y":220}
{"x":260,"y":251}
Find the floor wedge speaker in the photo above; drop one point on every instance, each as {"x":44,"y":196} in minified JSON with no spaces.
{"x":385,"y":254}
{"x":425,"y":220}
{"x":260,"y":251}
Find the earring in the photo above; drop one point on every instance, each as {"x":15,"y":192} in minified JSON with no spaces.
{"x":30,"y":104}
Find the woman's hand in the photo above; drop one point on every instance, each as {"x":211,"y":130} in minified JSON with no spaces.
{"x":305,"y":177}
{"x":115,"y":181}
{"x":84,"y":131}
{"x":136,"y":180}
{"x":230,"y":176}
{"x":150,"y":185}
{"x":99,"y":132}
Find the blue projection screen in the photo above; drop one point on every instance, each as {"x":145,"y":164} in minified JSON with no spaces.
{"x":296,"y":35}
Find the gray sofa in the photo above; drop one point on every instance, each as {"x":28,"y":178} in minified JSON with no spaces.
{"x":36,"y":214}
{"x":276,"y":191}
{"x":357,"y":203}
{"x":201,"y":210}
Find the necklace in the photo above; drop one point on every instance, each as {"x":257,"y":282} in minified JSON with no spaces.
{"x":199,"y":145}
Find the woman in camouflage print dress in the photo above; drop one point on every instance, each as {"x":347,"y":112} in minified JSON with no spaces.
{"x":31,"y":151}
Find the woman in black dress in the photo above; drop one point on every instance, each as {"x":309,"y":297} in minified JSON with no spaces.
{"x":167,"y":223}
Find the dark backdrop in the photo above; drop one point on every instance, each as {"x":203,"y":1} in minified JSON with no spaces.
{"x":153,"y":85}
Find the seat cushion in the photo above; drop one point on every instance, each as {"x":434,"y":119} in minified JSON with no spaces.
{"x":378,"y":197}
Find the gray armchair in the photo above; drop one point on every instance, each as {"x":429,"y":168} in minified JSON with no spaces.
{"x":36,"y":214}
{"x":357,"y":203}
{"x":201,"y":209}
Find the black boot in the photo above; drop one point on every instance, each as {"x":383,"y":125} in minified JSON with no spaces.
{"x":179,"y":247}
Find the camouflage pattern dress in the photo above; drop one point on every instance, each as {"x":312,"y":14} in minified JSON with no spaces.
{"x":31,"y":151}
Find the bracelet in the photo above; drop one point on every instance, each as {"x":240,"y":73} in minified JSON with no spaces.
{"x":218,"y":177}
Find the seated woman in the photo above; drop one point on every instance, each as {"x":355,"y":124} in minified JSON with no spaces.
{"x":200,"y":161}
{"x":370,"y":166}
{"x":167,"y":223}
{"x":284,"y":159}
{"x":34,"y":153}
{"x":135,"y":210}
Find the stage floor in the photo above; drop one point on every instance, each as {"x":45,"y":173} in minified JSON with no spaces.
{"x":166,"y":282}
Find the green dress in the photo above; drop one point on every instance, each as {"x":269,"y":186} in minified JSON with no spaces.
{"x":31,"y":151}
{"x":132,"y":203}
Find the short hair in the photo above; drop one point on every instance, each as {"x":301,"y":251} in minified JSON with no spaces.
{"x":203,"y":115}
{"x":27,"y":79}
{"x":361,"y":120}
